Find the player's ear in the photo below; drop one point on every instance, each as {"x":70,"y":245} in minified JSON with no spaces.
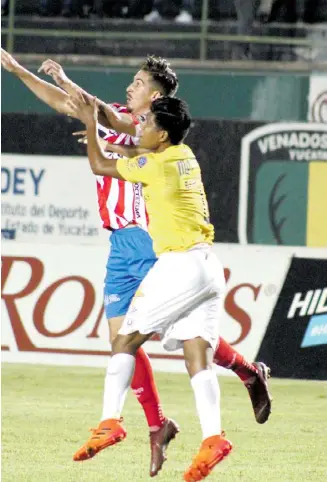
{"x":156,"y":94}
{"x":163,"y":136}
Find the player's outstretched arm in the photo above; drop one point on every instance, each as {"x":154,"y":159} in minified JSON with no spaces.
{"x":87,"y":112}
{"x":120,"y":122}
{"x":56,"y":72}
{"x":48,"y":93}
{"x":126,"y":151}
{"x":83,"y":139}
{"x":107,"y":116}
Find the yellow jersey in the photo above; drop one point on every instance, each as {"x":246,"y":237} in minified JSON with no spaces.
{"x":174,"y":196}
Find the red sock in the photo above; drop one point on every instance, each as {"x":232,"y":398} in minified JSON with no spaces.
{"x":225,"y":356}
{"x":144,"y":387}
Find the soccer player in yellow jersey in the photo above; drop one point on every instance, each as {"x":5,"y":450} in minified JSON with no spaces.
{"x":181,"y":296}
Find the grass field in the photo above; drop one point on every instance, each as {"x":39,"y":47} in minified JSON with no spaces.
{"x":46,"y":412}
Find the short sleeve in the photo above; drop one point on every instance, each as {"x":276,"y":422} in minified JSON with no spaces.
{"x":142,"y":169}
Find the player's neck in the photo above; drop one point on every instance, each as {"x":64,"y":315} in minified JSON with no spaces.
{"x":141,"y":111}
{"x":162,"y":147}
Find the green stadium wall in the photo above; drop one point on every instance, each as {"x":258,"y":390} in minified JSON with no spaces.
{"x":266,"y":97}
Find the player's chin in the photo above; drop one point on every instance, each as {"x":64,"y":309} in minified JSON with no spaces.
{"x":129,"y":105}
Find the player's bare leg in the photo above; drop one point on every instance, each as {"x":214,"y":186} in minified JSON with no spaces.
{"x":159,"y":439}
{"x":253,"y":375}
{"x":109,"y":432}
{"x":162,"y":429}
{"x":214,"y":447}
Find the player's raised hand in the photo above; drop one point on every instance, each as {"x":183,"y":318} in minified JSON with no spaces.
{"x":52,"y":68}
{"x":83,"y":108}
{"x":83,"y":138}
{"x":9,"y":63}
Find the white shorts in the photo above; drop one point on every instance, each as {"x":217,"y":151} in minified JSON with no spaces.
{"x":180,"y":298}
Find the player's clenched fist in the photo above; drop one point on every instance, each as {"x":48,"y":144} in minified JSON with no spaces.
{"x":8,"y":62}
{"x":52,"y":68}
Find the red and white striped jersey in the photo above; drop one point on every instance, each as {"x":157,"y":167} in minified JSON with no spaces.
{"x":120,"y":202}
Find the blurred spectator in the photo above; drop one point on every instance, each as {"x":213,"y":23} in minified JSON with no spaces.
{"x":180,"y":10}
{"x":246,"y":13}
{"x":111,"y":8}
{"x":82,"y":8}
{"x":284,"y":11}
{"x":217,"y":9}
{"x":185,"y":14}
{"x":290,"y":11}
{"x":4,"y":7}
{"x":315,"y":11}
{"x":139,"y":8}
{"x":67,"y":8}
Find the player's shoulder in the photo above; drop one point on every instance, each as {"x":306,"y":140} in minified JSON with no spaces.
{"x":178,"y":152}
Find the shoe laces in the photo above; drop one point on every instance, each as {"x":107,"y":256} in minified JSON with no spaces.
{"x":97,"y":429}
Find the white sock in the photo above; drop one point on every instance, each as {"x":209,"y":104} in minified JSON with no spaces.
{"x":207,"y":398}
{"x":118,"y":378}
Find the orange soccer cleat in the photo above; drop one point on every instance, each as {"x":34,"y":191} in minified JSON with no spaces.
{"x":212,"y":451}
{"x":109,"y":432}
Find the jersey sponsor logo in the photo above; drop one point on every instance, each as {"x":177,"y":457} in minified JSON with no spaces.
{"x":191,"y":183}
{"x":282,"y":185}
{"x":142,"y":161}
{"x":137,"y":199}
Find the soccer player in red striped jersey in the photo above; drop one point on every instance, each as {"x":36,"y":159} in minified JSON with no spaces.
{"x":123,"y":212}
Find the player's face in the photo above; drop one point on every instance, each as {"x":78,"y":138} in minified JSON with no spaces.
{"x":151,"y":136}
{"x":140,"y":93}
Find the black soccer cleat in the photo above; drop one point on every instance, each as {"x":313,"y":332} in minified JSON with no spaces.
{"x":259,"y":393}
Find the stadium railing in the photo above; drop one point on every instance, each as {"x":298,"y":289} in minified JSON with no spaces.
{"x":203,"y":36}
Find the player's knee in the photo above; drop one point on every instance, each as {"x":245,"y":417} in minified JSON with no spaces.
{"x":197,"y":355}
{"x":129,"y":343}
{"x":194,"y":366}
{"x":125,"y":344}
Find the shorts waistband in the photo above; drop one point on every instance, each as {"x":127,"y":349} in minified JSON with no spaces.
{"x":127,"y":230}
{"x":200,"y":246}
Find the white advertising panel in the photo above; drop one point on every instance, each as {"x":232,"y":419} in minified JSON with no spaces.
{"x":49,"y":199}
{"x":52,"y":302}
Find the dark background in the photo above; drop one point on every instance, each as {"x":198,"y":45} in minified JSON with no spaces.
{"x":215,"y":143}
{"x":281,"y":345}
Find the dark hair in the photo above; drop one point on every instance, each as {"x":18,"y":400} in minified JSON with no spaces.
{"x":172,"y":115}
{"x":162,"y":74}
